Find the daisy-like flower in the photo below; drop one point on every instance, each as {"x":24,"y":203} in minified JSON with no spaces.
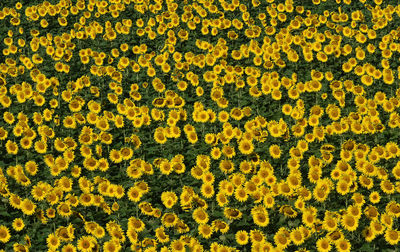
{"x":242,"y":237}
{"x":4,"y":234}
{"x":18,"y":224}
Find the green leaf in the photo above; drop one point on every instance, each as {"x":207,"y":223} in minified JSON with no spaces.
{"x":367,"y":247}
{"x":4,"y":213}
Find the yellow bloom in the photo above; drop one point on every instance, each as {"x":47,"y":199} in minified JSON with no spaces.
{"x":241,"y":194}
{"x":169,"y":199}
{"x":159,"y":136}
{"x":161,"y":235}
{"x":246,"y":147}
{"x":207,"y":190}
{"x":18,"y":224}
{"x":296,"y":236}
{"x":200,"y":216}
{"x":11,"y":147}
{"x":134,"y":194}
{"x":169,"y":219}
{"x":349,"y":222}
{"x":343,"y":245}
{"x":323,"y":245}
{"x":86,"y":243}
{"x":53,"y":242}
{"x":4,"y":234}
{"x":115,"y":156}
{"x":260,"y":218}
{"x":3,"y":133}
{"x":28,"y":207}
{"x":275,"y":151}
{"x":205,"y":230}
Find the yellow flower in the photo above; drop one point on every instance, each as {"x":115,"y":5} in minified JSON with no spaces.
{"x":112,"y":245}
{"x":226,"y":166}
{"x":8,"y":117}
{"x":69,"y":122}
{"x":260,"y":217}
{"x":161,"y":235}
{"x":159,"y":136}
{"x":343,"y":245}
{"x":4,"y":234}
{"x":169,"y":219}
{"x":134,"y":194}
{"x":18,"y":224}
{"x":3,"y":133}
{"x":178,"y":245}
{"x":374,"y":197}
{"x":288,"y":211}
{"x":26,"y":143}
{"x":282,"y":238}
{"x":275,"y":151}
{"x":102,"y":124}
{"x":115,"y":156}
{"x":86,"y":199}
{"x":228,"y":151}
{"x":64,"y":210}
{"x":15,"y":201}
{"x":387,"y":187}
{"x":200,"y":216}
{"x":28,"y":207}
{"x":205,"y":230}
{"x":86,"y":243}
{"x":232,"y":213}
{"x":323,"y":245}
{"x":242,"y":237}
{"x":343,"y":187}
{"x":113,"y":98}
{"x":136,"y":224}
{"x":221,"y":226}
{"x":192,"y":137}
{"x":166,"y":167}
{"x":11,"y":147}
{"x":241,"y":194}
{"x":222,"y":200}
{"x":349,"y":222}
{"x":53,"y":242}
{"x":296,"y":236}
{"x":169,"y":199}
{"x":377,"y":228}
{"x":246,"y":147}
{"x":207,"y":190}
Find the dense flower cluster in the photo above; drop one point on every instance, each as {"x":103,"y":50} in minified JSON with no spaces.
{"x":207,"y":125}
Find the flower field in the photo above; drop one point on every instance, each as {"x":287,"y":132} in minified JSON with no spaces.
{"x":207,"y":125}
